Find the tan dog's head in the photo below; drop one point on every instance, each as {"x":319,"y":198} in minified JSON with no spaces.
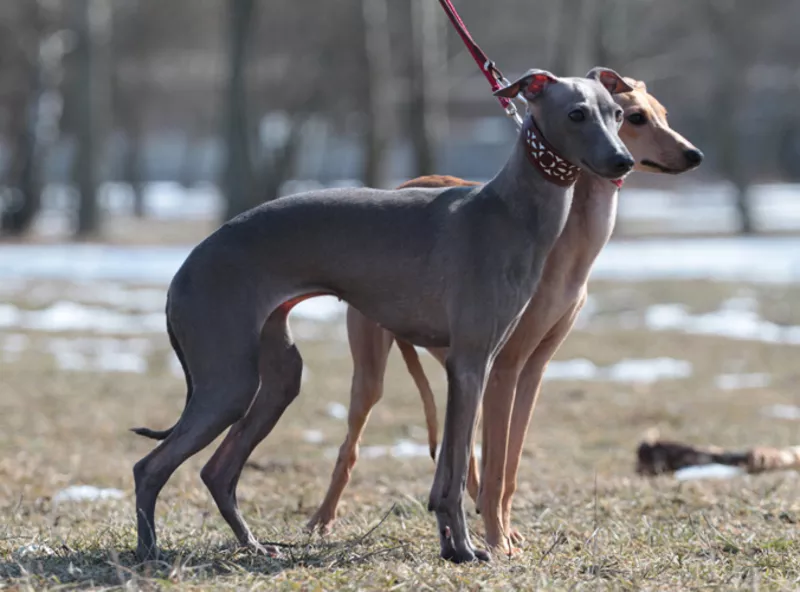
{"x":655,"y":146}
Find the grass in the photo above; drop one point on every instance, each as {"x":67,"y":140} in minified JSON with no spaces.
{"x":590,"y":522}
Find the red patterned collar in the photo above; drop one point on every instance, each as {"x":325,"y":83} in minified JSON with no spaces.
{"x":554,"y":168}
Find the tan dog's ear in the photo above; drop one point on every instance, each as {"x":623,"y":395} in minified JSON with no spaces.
{"x":636,"y":84}
{"x":531,"y":85}
{"x":613,"y":82}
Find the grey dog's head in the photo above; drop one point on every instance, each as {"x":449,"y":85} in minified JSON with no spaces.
{"x":578,"y":117}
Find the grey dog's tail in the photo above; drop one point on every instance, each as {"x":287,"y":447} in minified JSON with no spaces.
{"x":162,"y":434}
{"x":153,"y":434}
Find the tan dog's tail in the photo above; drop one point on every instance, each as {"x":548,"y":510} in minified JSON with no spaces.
{"x":410,"y":355}
{"x":411,"y":358}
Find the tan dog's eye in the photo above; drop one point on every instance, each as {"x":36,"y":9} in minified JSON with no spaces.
{"x":638,"y":118}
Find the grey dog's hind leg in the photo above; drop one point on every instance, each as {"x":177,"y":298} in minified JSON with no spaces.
{"x":225,"y":381}
{"x":281,"y":368}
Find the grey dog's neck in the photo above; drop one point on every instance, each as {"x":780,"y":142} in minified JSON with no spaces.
{"x":523,"y":188}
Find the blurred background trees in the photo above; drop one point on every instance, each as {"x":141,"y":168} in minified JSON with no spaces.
{"x":101,"y":98}
{"x":21,"y":95}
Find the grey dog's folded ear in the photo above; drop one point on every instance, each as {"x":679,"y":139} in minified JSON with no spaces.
{"x":613,"y":82}
{"x":531,"y":85}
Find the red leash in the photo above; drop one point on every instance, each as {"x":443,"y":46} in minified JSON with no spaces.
{"x":487,"y":66}
{"x":497,"y":81}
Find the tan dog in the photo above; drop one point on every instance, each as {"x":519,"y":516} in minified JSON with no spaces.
{"x":516,"y":376}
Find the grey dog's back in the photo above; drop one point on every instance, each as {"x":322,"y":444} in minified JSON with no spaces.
{"x":398,"y":235}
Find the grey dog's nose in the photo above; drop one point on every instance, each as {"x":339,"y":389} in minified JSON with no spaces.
{"x":693,"y":157}
{"x":622,"y":163}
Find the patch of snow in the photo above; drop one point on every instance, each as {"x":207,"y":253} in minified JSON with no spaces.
{"x":631,"y":370}
{"x":101,"y":354}
{"x":648,"y":370}
{"x":337,"y":411}
{"x":35,"y":549}
{"x":730,"y":382}
{"x":70,"y":316}
{"x":313,"y":436}
{"x":82,"y":493}
{"x":758,"y":259}
{"x":319,"y":308}
{"x":736,"y":319}
{"x":712,"y":471}
{"x":402,"y":448}
{"x":791,"y":412}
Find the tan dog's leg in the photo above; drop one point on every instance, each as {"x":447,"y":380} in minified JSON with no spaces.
{"x":496,"y":419}
{"x":369,"y":346}
{"x":473,"y":479}
{"x":429,"y":406}
{"x":528,"y":387}
{"x":411,"y":358}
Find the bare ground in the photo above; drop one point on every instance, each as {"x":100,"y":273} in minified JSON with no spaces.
{"x":590,"y":521}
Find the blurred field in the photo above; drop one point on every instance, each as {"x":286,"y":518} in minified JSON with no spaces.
{"x":590,"y":522}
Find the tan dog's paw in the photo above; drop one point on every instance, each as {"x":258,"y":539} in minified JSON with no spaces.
{"x":502,"y":546}
{"x":511,"y":548}
{"x":267,"y":550}
{"x":321,"y":521}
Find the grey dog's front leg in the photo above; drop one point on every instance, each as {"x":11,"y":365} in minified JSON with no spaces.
{"x":466,"y":380}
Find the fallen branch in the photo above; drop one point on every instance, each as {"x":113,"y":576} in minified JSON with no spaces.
{"x":663,"y":456}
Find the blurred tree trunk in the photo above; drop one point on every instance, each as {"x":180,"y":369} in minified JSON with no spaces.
{"x":86,"y":103}
{"x":427,"y":105}
{"x":574,"y":34}
{"x":22,"y":186}
{"x":129,"y":40}
{"x":378,"y":58}
{"x":187,"y":172}
{"x":132,"y":165}
{"x":239,"y":175}
{"x":731,"y":20}
{"x":611,"y":35}
{"x":731,"y":164}
{"x":278,"y":164}
{"x":584,"y":26}
{"x":554,"y":57}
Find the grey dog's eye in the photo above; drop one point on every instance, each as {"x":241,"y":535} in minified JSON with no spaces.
{"x":618,"y":115}
{"x":577,"y":115}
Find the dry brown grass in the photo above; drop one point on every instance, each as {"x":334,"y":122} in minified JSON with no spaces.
{"x":589,"y":520}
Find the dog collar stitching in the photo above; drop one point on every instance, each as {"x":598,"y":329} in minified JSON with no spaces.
{"x":554,"y":168}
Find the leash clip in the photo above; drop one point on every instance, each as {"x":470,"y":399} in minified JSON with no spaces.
{"x":487,"y":66}
{"x":510,"y":108}
{"x":513,"y":113}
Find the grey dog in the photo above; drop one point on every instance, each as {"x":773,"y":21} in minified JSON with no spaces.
{"x":451,"y":267}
